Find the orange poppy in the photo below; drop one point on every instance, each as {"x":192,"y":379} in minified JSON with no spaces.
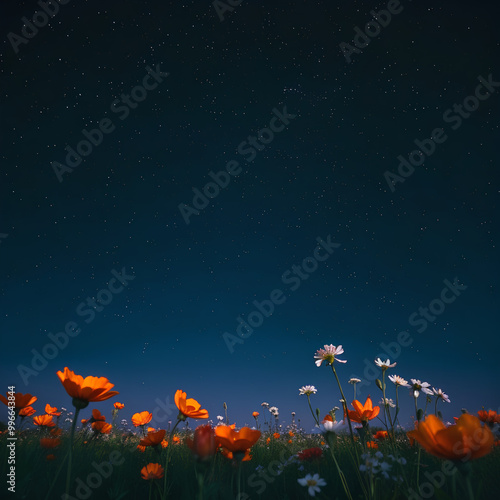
{"x":141,"y":448}
{"x":102,"y":427}
{"x":52,"y":410}
{"x":467,"y":439}
{"x":119,"y":406}
{"x":276,"y":435}
{"x":20,"y":400}
{"x":86,"y":390}
{"x":291,"y":434}
{"x":268,"y":440}
{"x":176,"y":440}
{"x":363,"y":413}
{"x":489,"y":416}
{"x":153,"y":438}
{"x":204,"y":444}
{"x":55,"y":432}
{"x":164,"y":443}
{"x":371,"y":444}
{"x":381,"y":435}
{"x":97,"y":416}
{"x":152,"y":471}
{"x":27,"y":411}
{"x":188,"y":407}
{"x":44,"y":420}
{"x":239,"y":441}
{"x":50,"y":442}
{"x":142,"y":418}
{"x":255,"y":414}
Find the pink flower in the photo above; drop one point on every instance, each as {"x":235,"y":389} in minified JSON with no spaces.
{"x":328,"y":354}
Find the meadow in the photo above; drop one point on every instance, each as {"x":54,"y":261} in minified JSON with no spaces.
{"x":358,"y":451}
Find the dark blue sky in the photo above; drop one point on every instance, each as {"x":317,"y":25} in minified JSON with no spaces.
{"x":321,"y":175}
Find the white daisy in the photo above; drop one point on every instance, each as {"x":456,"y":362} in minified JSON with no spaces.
{"x":308,"y":390}
{"x":441,"y":395}
{"x":328,"y":354}
{"x":354,"y":380}
{"x":398,"y":381}
{"x":388,"y":402}
{"x":418,"y":386}
{"x":313,"y":483}
{"x":384,"y":364}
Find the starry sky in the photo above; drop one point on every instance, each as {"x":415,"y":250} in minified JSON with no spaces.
{"x":193,"y":266}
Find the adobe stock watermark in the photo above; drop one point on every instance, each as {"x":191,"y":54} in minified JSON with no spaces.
{"x":94,"y":480}
{"x":292,"y":277}
{"x":249,"y":150}
{"x":87,"y":309}
{"x":418,"y":319}
{"x":94,"y":137}
{"x":427,"y":146}
{"x":223,"y":7}
{"x":373,"y":28}
{"x":39,"y":19}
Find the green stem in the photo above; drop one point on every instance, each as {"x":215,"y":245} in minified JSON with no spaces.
{"x":169,"y":447}
{"x":70,"y":457}
{"x":344,"y":403}
{"x":310,"y":407}
{"x":339,"y":470}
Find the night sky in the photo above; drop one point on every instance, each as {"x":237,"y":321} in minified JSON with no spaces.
{"x":321,"y":176}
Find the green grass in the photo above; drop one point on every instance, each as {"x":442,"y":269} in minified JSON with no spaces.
{"x":35,"y":475}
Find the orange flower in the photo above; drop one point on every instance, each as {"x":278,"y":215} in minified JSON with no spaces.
{"x":188,"y":407}
{"x":50,"y":457}
{"x":255,"y":414}
{"x":27,"y":411}
{"x":102,"y":427}
{"x":164,"y":443}
{"x":327,"y":418}
{"x":291,"y":434}
{"x":290,"y":441}
{"x":52,"y":410}
{"x":363,"y":413}
{"x":153,"y":438}
{"x":489,"y":416}
{"x":44,"y":420}
{"x":204,"y":445}
{"x":20,"y":400}
{"x":141,"y":448}
{"x":381,"y":435}
{"x":85,"y":390}
{"x":55,"y":432}
{"x":142,"y":418}
{"x":465,"y":440}
{"x":152,"y":471}
{"x":97,"y":416}
{"x":119,"y":406}
{"x":50,"y":442}
{"x":276,"y":435}
{"x":236,"y":441}
{"x":371,"y":444}
{"x":268,"y":440}
{"x":176,"y":440}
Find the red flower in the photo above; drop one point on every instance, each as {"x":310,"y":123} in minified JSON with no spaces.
{"x":489,"y":416}
{"x":371,"y":444}
{"x":381,"y":435}
{"x":204,"y":445}
{"x":310,"y":454}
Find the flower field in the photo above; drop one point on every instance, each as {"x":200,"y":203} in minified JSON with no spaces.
{"x":361,"y":453}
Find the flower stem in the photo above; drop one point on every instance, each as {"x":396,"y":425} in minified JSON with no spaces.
{"x":70,"y":457}
{"x":310,"y":407}
{"x":169,"y":447}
